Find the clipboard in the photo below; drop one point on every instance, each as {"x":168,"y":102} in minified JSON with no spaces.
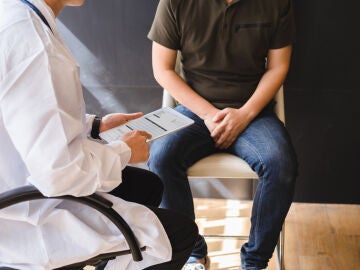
{"x":158,"y":123}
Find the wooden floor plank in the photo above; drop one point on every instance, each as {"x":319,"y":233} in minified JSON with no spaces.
{"x":317,"y":236}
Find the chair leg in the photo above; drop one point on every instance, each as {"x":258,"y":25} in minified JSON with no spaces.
{"x":280,"y":249}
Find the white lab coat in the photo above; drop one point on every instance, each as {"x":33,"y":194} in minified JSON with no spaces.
{"x":44,"y":142}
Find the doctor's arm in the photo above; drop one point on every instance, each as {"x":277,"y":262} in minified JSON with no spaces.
{"x":109,"y":121}
{"x":44,"y":120}
{"x":135,"y":140}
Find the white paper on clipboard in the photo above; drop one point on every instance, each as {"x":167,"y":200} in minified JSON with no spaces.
{"x":157,"y":123}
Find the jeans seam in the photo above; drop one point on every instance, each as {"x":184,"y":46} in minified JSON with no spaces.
{"x":258,"y":210}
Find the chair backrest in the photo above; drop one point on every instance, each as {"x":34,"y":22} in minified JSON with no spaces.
{"x":279,"y":109}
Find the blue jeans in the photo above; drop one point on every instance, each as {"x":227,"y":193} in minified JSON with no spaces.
{"x":265,"y":145}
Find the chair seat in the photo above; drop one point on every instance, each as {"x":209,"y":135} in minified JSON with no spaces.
{"x":221,"y":165}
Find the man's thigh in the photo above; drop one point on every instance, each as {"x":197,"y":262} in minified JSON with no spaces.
{"x":264,"y":140}
{"x":185,"y":146}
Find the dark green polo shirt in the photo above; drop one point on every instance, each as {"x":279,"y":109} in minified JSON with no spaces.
{"x":224,"y":47}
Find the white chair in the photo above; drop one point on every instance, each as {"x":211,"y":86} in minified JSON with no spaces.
{"x":223,"y":165}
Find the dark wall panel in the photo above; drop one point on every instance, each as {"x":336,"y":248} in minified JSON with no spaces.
{"x":322,"y":101}
{"x":322,"y":91}
{"x":116,"y":70}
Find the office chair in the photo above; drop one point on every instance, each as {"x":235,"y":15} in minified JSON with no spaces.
{"x":224,"y":165}
{"x":95,"y":201}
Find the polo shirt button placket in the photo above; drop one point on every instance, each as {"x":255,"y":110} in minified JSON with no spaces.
{"x":225,"y":25}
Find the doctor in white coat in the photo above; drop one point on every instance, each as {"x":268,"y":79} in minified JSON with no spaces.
{"x":44,"y":135}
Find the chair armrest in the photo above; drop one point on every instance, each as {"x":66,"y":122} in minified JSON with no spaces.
{"x":104,"y":206}
{"x":28,"y":193}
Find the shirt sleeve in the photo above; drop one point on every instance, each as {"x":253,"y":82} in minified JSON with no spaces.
{"x":164,"y":29}
{"x":43,"y":112}
{"x":285,"y":33}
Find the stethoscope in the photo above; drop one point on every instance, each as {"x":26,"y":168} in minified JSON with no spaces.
{"x":38,"y":12}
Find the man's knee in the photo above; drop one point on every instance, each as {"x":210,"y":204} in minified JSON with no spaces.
{"x":162,"y":156}
{"x":281,"y":165}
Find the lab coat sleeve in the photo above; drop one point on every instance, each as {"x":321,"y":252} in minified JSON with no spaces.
{"x":118,"y":146}
{"x":43,"y":111}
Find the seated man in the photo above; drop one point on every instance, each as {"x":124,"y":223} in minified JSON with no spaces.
{"x":45,"y":142}
{"x":235,"y":56}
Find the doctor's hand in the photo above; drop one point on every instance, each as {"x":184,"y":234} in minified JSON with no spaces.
{"x":229,"y":124}
{"x":136,"y":140}
{"x":115,"y":119}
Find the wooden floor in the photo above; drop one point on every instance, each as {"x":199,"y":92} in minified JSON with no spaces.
{"x":317,"y":236}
